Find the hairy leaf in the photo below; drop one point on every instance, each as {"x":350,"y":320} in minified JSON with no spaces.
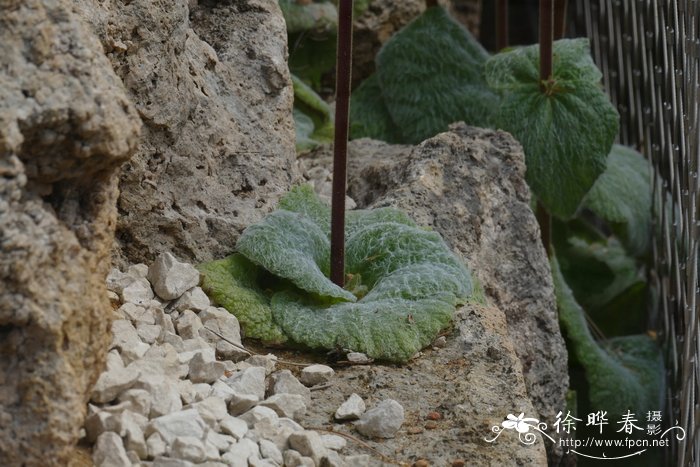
{"x":369,"y":116}
{"x":622,"y":195}
{"x":567,"y":131}
{"x":430,"y":74}
{"x":234,"y":283}
{"x":625,"y":373}
{"x":312,"y":117}
{"x":406,"y":280}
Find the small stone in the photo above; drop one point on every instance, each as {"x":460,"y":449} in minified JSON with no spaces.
{"x":421,"y":463}
{"x":222,"y":390}
{"x":242,"y":450}
{"x":183,"y":423}
{"x":284,"y":382}
{"x":189,"y":448}
{"x":165,"y":396}
{"x":433,"y":416}
{"x":164,"y":320}
{"x":252,"y":462}
{"x":440,"y":342}
{"x":309,"y":444}
{"x":211,"y":409}
{"x":171,"y":278}
{"x":359,"y":460}
{"x":258,"y":413}
{"x":221,"y":326}
{"x":148,"y":332}
{"x":202,"y":371}
{"x":117,"y":280}
{"x":126,"y":339}
{"x":169,"y":462}
{"x":114,"y":361}
{"x":293,"y":458}
{"x":316,"y":374}
{"x":334,"y":442}
{"x":274,"y":431}
{"x":114,"y":299}
{"x":227,"y":351}
{"x":202,"y":391}
{"x":100,"y":422}
{"x":137,"y":270}
{"x":414,"y":430}
{"x":137,"y":292}
{"x":268,"y":362}
{"x":431,"y":425}
{"x":459,"y":463}
{"x":219,"y":441}
{"x":169,"y":337}
{"x":351,"y":409}
{"x":137,"y":314}
{"x":111,"y":383}
{"x":269,"y":450}
{"x":286,"y":405}
{"x":194,"y":299}
{"x":156,"y":445}
{"x":333,"y":459}
{"x":358,"y":358}
{"x":109,"y":451}
{"x":133,"y":457}
{"x":233,"y":426}
{"x":248,"y":387}
{"x":382,"y":421}
{"x":188,"y":325}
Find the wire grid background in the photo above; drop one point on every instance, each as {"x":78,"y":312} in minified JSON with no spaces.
{"x":649,"y":51}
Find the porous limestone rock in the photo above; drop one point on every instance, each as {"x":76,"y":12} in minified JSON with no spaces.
{"x":66,"y":126}
{"x":351,"y":409}
{"x":316,"y":374}
{"x":382,"y":421}
{"x":211,"y":84}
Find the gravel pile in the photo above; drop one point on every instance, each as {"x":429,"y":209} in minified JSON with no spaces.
{"x":181,"y":390}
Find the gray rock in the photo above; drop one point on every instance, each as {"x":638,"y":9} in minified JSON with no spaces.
{"x":165,"y":394}
{"x":286,"y":405}
{"x":187,"y":392}
{"x":111,"y":383}
{"x":293,"y":458}
{"x":268,"y":362}
{"x":98,"y":423}
{"x":139,"y":401}
{"x":169,"y":462}
{"x":382,"y":421}
{"x":233,"y":426}
{"x":156,"y":445}
{"x":351,"y":409}
{"x":275,"y":431}
{"x":248,"y":387}
{"x":188,"y":448}
{"x":242,"y":450}
{"x":188,"y":325}
{"x":359,"y":460}
{"x":137,"y":314}
{"x":222,"y":390}
{"x":131,"y":430}
{"x":211,"y":409}
{"x":284,"y":382}
{"x":114,"y":361}
{"x":126,"y":339}
{"x":440,"y":342}
{"x":334,"y":442}
{"x":253,"y":462}
{"x":172,"y":278}
{"x":66,"y":128}
{"x":333,"y":459}
{"x":221,"y":442}
{"x":308,"y":444}
{"x":194,"y":299}
{"x":183,"y":423}
{"x":269,"y":450}
{"x":358,"y":358}
{"x":148,"y":333}
{"x":202,"y":391}
{"x":138,"y":292}
{"x":202,"y":371}
{"x":117,"y":280}
{"x":218,"y":323}
{"x":164,"y":320}
{"x":109,"y":451}
{"x":447,"y":183}
{"x":138,"y":270}
{"x":257,"y":414}
{"x":316,"y":374}
{"x":227,"y":351}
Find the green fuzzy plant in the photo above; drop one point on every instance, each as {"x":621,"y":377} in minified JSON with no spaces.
{"x":404,"y":283}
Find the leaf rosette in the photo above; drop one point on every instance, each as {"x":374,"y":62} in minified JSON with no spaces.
{"x":404,"y":281}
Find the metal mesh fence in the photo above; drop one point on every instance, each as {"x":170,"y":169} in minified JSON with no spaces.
{"x":649,"y":53}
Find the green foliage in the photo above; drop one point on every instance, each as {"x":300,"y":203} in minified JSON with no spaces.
{"x":312,"y":117}
{"x":566,"y":131}
{"x":624,"y":373}
{"x":428,"y":75}
{"x":233,"y":282}
{"x":622,"y":196}
{"x":404,"y":288}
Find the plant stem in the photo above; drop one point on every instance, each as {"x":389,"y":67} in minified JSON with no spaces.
{"x":501,"y":24}
{"x":340,"y":146}
{"x":430,"y":3}
{"x":546,"y":37}
{"x":560,"y":18}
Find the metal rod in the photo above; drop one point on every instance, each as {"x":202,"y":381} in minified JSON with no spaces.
{"x":340,"y":146}
{"x":501,"y":24}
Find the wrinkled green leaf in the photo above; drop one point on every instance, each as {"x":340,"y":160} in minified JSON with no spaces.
{"x":566,"y":132}
{"x":369,"y":116}
{"x":430,"y":74}
{"x":234,"y":283}
{"x":622,"y":195}
{"x":624,"y":373}
{"x":316,"y":17}
{"x":406,"y":279}
{"x":312,"y":117}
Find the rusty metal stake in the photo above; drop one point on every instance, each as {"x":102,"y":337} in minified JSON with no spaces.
{"x":343,"y":79}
